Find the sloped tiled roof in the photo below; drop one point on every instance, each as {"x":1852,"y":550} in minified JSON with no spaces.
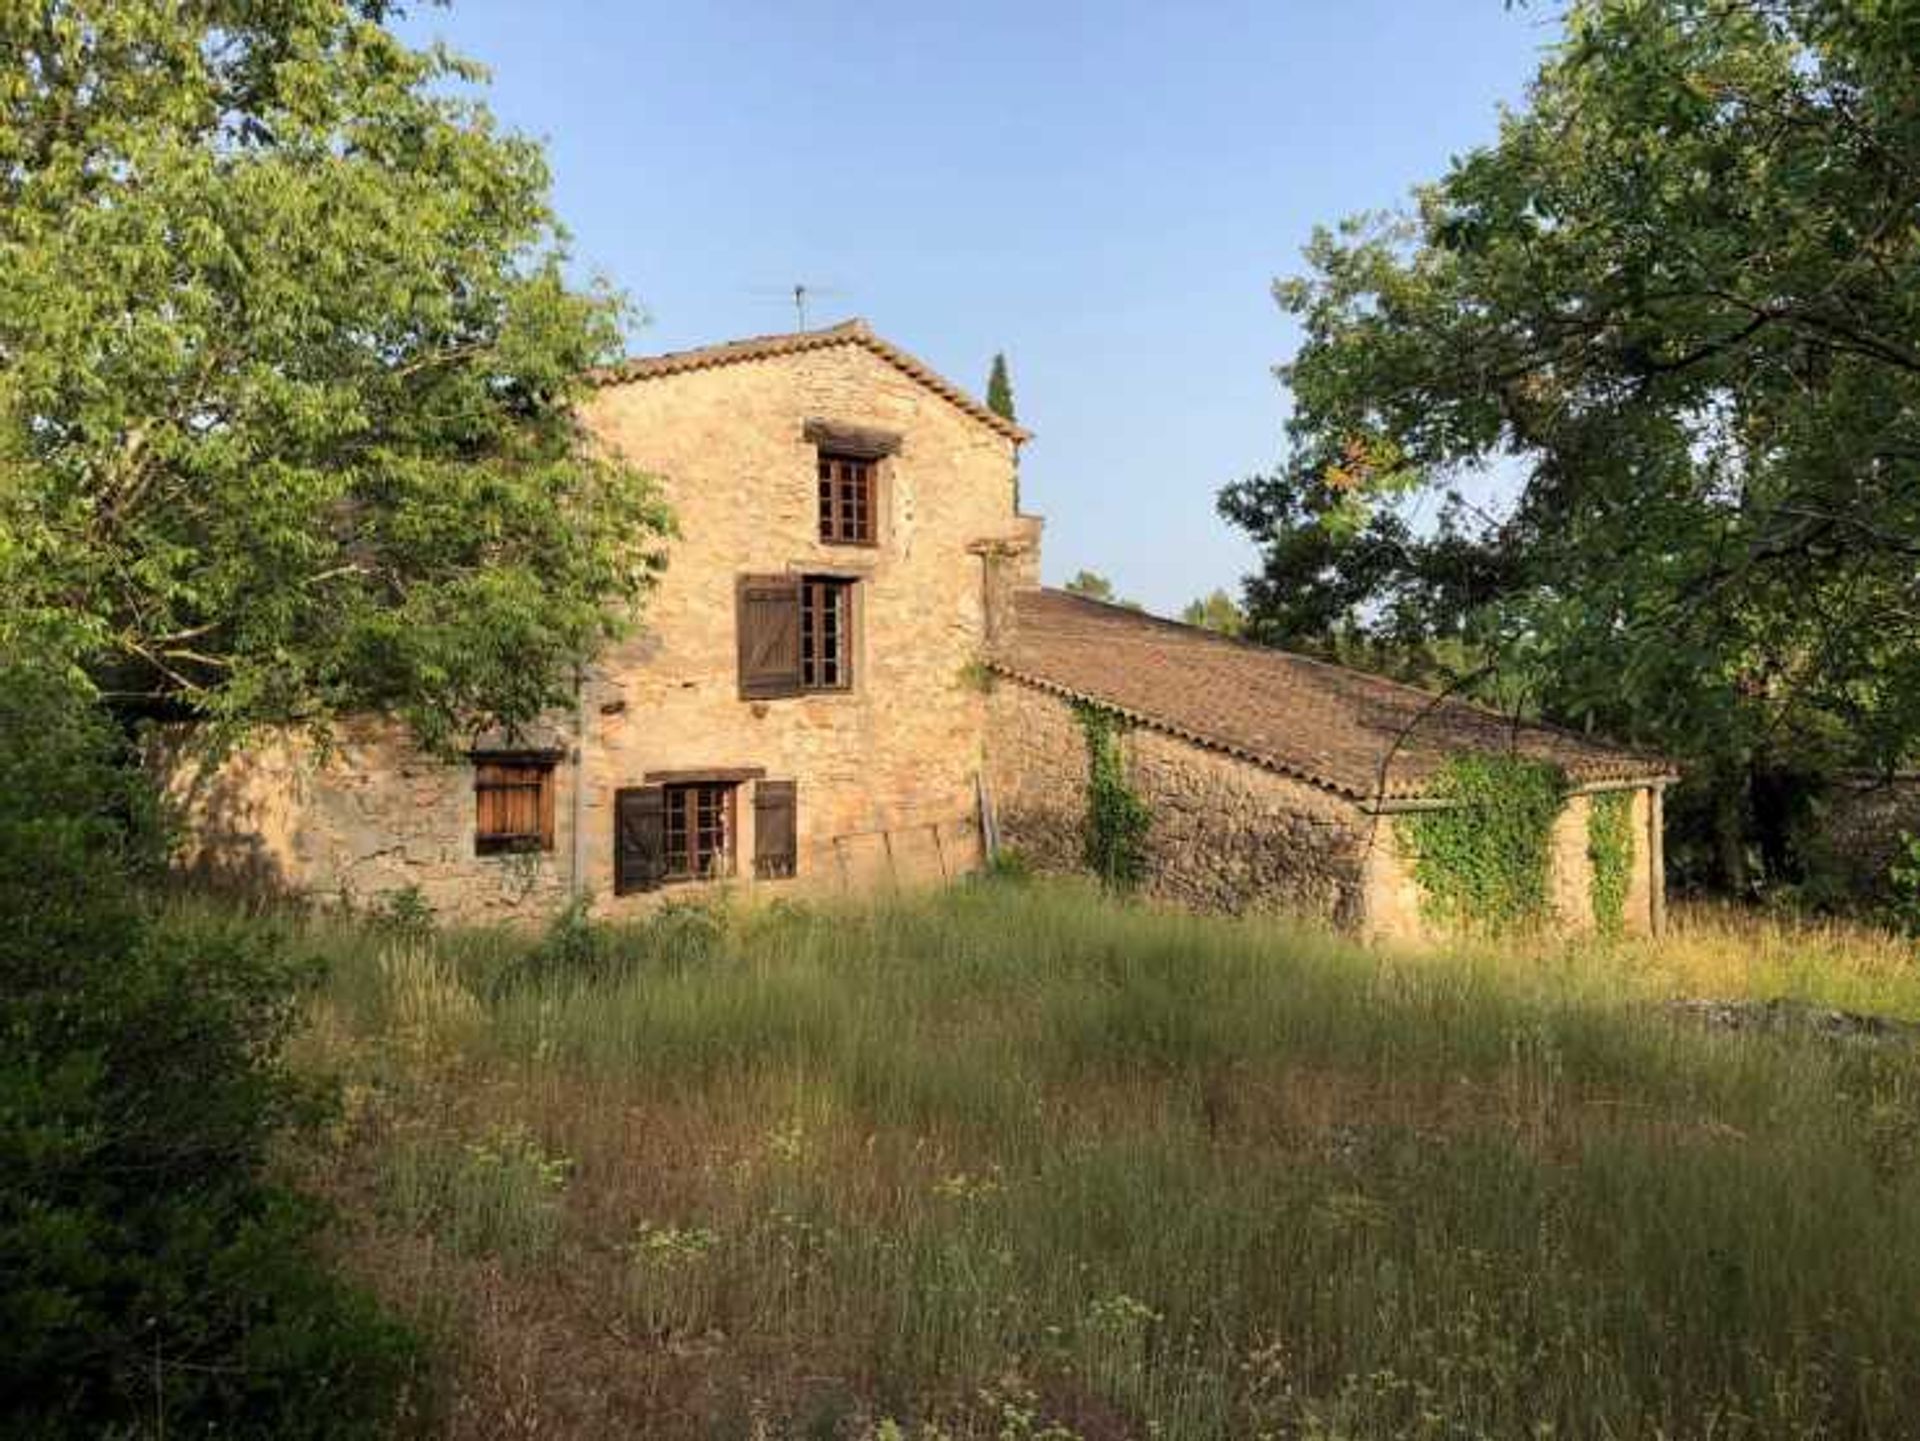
{"x":1359,"y":735}
{"x":769,"y":347}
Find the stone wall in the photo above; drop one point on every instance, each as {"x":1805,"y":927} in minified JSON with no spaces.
{"x":886,"y":772}
{"x":1225,"y":835}
{"x":1230,"y":836}
{"x":365,"y":817}
{"x":1862,"y":824}
{"x":1394,"y":911}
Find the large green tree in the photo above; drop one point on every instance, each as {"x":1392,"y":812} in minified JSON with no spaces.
{"x":288,"y":363}
{"x":1674,"y":313}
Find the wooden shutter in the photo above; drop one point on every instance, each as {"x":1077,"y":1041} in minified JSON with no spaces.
{"x":639,"y":839}
{"x":767,"y":618}
{"x":513,"y":805}
{"x":776,"y":848}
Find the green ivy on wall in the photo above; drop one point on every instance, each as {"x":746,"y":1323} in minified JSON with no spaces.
{"x":1482,"y":862}
{"x":1117,"y":819}
{"x":1610,"y":850}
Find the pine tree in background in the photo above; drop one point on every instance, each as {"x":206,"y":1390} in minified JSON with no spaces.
{"x":1000,"y":388}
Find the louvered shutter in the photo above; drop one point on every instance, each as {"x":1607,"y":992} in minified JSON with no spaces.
{"x":775,"y":830}
{"x":639,"y":839}
{"x":767,"y":618}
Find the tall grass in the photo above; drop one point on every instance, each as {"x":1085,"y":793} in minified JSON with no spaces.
{"x":1021,"y":1152}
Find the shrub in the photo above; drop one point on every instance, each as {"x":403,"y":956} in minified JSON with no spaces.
{"x":151,"y":1275}
{"x":577,"y":948}
{"x":1903,"y":886}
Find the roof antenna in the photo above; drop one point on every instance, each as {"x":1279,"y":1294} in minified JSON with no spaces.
{"x":800,"y":295}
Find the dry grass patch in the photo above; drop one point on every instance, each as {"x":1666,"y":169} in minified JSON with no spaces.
{"x":1017,"y":1158}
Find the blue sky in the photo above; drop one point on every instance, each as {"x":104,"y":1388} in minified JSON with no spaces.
{"x":1105,"y":192}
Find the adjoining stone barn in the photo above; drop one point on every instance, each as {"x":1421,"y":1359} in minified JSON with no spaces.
{"x":850,"y":675}
{"x":1278,"y":782}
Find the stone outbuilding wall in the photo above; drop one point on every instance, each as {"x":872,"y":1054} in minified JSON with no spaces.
{"x":1226,"y":836}
{"x":1232,"y":836}
{"x":1862,"y":823}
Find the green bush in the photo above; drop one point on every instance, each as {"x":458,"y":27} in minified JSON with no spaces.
{"x":1903,"y":886}
{"x":577,"y":948}
{"x":152,"y":1277}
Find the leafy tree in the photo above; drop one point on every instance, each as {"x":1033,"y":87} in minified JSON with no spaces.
{"x":1095,"y":586}
{"x":287,"y":372}
{"x":1218,"y":611}
{"x":1672,"y":309}
{"x":152,"y":1276}
{"x":1091,"y":584}
{"x":1000,"y":389}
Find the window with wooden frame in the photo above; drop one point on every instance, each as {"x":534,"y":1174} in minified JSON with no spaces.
{"x":512,"y":803}
{"x":848,"y":499}
{"x":826,"y":633}
{"x":796,"y":634}
{"x":679,"y":832}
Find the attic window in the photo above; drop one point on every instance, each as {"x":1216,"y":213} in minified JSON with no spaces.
{"x":846,"y":499}
{"x":513,"y":803}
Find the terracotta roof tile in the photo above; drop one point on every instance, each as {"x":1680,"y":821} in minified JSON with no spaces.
{"x":768,"y":347}
{"x":1361,"y":735}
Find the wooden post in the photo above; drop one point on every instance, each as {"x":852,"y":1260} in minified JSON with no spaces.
{"x":1657,"y":859}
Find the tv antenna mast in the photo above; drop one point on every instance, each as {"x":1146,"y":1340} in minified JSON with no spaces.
{"x":800,"y":295}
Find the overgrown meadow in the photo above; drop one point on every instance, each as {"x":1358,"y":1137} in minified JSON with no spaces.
{"x":1020,"y":1161}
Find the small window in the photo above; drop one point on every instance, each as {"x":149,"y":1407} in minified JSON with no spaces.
{"x":513,"y":805}
{"x":826,"y":633}
{"x":846,"y":499}
{"x":697,"y":831}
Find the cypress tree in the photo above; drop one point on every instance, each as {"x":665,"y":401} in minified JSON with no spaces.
{"x":1000,"y":389}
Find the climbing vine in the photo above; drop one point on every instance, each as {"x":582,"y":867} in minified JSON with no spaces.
{"x":1610,"y":851}
{"x":1117,"y":819}
{"x":1482,"y":861}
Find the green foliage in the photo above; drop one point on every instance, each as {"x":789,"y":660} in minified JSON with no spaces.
{"x":1688,"y":280}
{"x":1000,"y":389}
{"x":1482,"y":862}
{"x":576,"y":948}
{"x":151,"y":1274}
{"x":1903,"y":885}
{"x":287,"y":411}
{"x":1117,"y":819}
{"x":1610,"y":854}
{"x":1010,"y":864}
{"x":1095,"y":586}
{"x":1216,"y":612}
{"x":496,"y":1196}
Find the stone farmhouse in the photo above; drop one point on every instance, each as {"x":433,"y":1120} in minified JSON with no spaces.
{"x":850,"y":677}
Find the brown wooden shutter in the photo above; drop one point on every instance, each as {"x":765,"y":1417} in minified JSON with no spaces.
{"x":776,"y":849}
{"x":767,"y":617}
{"x":639,"y":839}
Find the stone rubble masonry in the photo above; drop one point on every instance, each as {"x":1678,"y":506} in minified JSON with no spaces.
{"x":886,"y":772}
{"x":1229,"y":835}
{"x":1862,"y":823}
{"x":1225,"y":835}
